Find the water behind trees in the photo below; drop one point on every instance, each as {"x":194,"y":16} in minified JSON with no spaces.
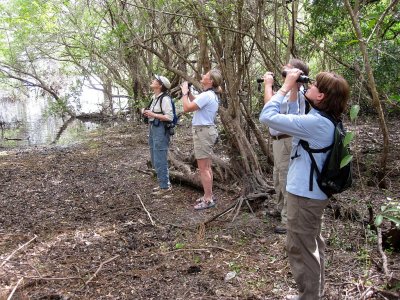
{"x":28,"y":122}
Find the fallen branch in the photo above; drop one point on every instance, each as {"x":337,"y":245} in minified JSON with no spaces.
{"x":53,"y":278}
{"x":173,"y":225}
{"x":238,"y":204}
{"x":15,"y":288}
{"x":145,"y":209}
{"x":100,"y":267}
{"x":223,"y":249}
{"x":145,"y":172}
{"x":201,"y":250}
{"x":187,"y":250}
{"x":15,"y":251}
{"x":367,"y":293}
{"x":383,"y":255}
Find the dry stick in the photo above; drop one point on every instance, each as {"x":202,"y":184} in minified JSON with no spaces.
{"x":23,"y":264}
{"x":221,"y":214}
{"x":201,"y":249}
{"x":99,"y":268}
{"x":53,"y":278}
{"x":15,"y":251}
{"x":223,"y":249}
{"x":384,"y":258}
{"x":15,"y":288}
{"x":145,"y":172}
{"x":240,"y":203}
{"x":365,"y":293}
{"x":187,"y":250}
{"x":145,"y":209}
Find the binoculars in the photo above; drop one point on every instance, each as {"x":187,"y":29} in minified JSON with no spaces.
{"x":301,"y":79}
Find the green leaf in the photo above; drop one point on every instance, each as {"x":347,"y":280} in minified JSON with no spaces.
{"x":371,"y":23}
{"x":378,"y":220}
{"x":355,"y":109}
{"x":348,"y":138}
{"x":346,"y":160}
{"x":393,"y":219}
{"x":392,"y":209}
{"x":179,"y":246}
{"x":396,"y":98}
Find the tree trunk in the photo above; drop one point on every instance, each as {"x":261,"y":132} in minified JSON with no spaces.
{"x":244,"y":159}
{"x":291,"y":49}
{"x":375,"y":97}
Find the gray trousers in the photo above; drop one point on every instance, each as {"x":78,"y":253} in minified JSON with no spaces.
{"x":305,"y":245}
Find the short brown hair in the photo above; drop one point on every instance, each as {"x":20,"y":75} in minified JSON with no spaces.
{"x":299,"y":64}
{"x":336,"y":91}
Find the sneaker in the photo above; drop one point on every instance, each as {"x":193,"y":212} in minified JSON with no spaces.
{"x":204,"y":205}
{"x":161,"y":191}
{"x":155,"y":189}
{"x":280,"y":230}
{"x":292,"y":297}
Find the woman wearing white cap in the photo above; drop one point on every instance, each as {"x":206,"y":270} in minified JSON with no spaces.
{"x":160,"y":111}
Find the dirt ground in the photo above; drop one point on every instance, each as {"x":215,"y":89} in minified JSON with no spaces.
{"x":80,"y":222}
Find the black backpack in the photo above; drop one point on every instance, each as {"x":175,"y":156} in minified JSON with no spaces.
{"x":336,"y":174}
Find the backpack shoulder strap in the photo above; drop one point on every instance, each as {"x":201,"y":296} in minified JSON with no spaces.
{"x":314,"y":166}
{"x":329,"y":117}
{"x":310,"y":151}
{"x":160,"y":98}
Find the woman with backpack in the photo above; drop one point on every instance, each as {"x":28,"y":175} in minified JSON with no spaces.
{"x":306,"y":201}
{"x":159,"y":113}
{"x":205,"y":134}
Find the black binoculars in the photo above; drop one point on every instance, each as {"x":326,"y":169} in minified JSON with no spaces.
{"x":301,"y":79}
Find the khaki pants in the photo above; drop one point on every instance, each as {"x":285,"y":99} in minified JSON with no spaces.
{"x":305,"y":245}
{"x":281,"y":150}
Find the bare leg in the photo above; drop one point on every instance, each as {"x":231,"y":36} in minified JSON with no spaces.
{"x":206,"y":177}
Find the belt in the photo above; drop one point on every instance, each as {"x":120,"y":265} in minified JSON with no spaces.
{"x":281,"y":136}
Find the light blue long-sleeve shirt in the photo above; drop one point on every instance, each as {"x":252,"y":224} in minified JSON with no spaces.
{"x":297,"y":107}
{"x":315,"y":129}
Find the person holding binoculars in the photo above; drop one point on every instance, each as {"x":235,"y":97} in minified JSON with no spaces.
{"x":305,"y":201}
{"x":293,"y":103}
{"x":159,"y":112}
{"x":205,"y":134}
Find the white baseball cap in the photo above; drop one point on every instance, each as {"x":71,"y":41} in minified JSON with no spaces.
{"x":164,"y":80}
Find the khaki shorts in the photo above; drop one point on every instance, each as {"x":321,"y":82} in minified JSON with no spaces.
{"x":204,"y":139}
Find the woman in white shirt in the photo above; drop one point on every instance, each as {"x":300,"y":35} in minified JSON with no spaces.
{"x":205,"y":134}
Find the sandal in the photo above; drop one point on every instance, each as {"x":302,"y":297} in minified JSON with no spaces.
{"x":204,"y":205}
{"x":201,"y":199}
